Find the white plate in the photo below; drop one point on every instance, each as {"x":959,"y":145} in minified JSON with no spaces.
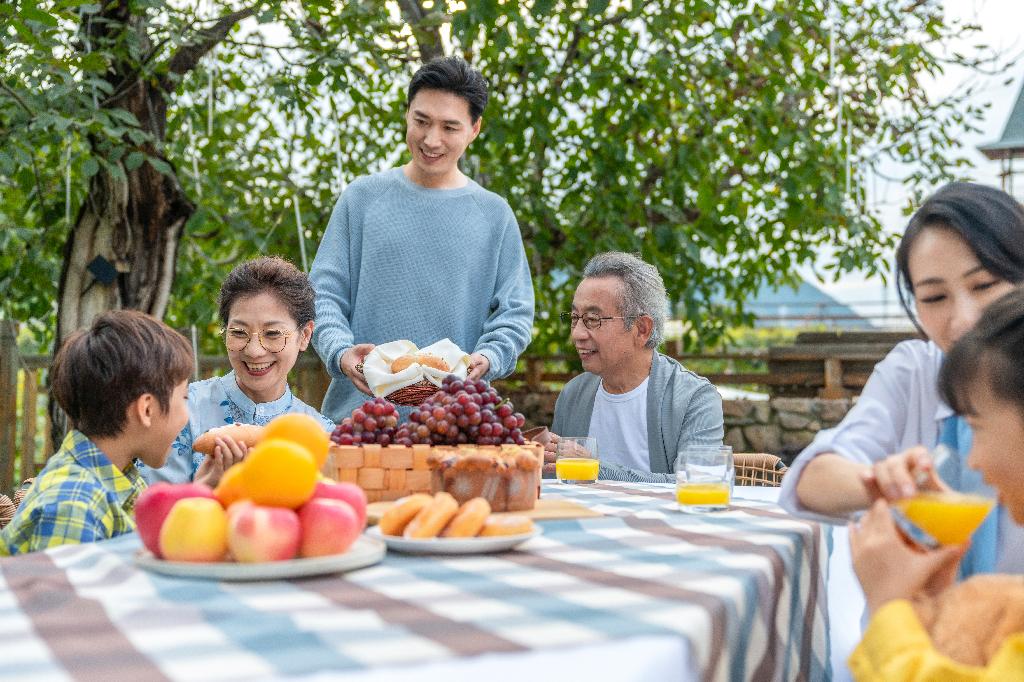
{"x":498,"y":543}
{"x":366,"y":551}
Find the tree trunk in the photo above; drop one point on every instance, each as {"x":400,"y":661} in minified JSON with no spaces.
{"x":134,"y":221}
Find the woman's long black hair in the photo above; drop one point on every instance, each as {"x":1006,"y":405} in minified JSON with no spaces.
{"x":990,"y":221}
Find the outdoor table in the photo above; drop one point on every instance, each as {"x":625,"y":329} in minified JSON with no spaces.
{"x":644,"y":592}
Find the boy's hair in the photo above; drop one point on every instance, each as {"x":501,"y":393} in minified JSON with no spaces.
{"x":454,"y":75}
{"x":274,"y":276}
{"x":991,"y":352}
{"x":100,"y":371}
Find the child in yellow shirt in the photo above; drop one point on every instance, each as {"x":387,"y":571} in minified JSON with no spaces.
{"x":983,"y":379}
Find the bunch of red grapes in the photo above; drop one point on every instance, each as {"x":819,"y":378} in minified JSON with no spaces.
{"x":375,"y":422}
{"x":463,"y":412}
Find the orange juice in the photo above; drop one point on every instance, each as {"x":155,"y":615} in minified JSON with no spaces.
{"x":577,"y":468}
{"x":949,"y":517}
{"x":702,"y":494}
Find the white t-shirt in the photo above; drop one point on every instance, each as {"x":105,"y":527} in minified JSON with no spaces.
{"x":619,"y":423}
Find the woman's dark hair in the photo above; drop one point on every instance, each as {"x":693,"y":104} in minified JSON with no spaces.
{"x":991,"y":352}
{"x":990,"y":222}
{"x":271,"y":275}
{"x":454,"y":75}
{"x":98,"y":372}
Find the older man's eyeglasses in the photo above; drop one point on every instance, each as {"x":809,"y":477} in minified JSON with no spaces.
{"x":590,"y":320}
{"x":272,"y":340}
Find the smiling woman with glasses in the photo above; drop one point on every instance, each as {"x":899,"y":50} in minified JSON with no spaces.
{"x":266,"y":308}
{"x":272,"y":340}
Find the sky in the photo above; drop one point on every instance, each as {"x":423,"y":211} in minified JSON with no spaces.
{"x":1000,"y":22}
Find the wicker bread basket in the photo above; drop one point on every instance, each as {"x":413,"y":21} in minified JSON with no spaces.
{"x":413,"y":395}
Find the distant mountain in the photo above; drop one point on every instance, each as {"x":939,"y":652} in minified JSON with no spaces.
{"x":802,"y":306}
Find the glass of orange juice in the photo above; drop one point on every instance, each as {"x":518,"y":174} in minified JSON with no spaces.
{"x":704,"y":476}
{"x":576,"y":460}
{"x":949,"y":517}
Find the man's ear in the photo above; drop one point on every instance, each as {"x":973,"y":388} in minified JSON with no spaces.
{"x":476,"y":128}
{"x":644,"y":326}
{"x":143,"y":410}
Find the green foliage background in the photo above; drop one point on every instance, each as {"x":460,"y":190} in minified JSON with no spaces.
{"x":700,"y":133}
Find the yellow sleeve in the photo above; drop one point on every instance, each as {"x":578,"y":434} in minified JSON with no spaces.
{"x":896,"y":648}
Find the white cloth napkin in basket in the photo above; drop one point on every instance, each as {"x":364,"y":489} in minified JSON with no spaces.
{"x":377,"y":365}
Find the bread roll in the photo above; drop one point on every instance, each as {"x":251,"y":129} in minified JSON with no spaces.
{"x":430,"y":360}
{"x":402,"y":363}
{"x":249,"y":434}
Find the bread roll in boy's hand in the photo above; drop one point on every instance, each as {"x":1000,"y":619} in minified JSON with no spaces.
{"x":249,"y":434}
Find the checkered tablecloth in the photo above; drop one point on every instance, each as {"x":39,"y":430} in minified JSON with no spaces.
{"x":743,"y":589}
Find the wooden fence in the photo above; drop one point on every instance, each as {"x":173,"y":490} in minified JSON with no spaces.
{"x":827,"y":365}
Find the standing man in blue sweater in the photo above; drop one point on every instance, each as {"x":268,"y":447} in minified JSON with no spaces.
{"x":422,"y":252}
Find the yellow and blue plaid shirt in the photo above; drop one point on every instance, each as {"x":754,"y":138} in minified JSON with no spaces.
{"x":80,"y":496}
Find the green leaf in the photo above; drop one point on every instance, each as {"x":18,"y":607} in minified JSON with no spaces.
{"x":160,"y":165}
{"x":134,"y":160}
{"x":93,"y":61}
{"x":90,"y":167}
{"x":32,"y":13}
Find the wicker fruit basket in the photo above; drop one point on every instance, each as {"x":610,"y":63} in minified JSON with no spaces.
{"x":388,"y":472}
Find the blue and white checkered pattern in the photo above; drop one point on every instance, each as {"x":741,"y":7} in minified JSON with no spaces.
{"x":744,"y":589}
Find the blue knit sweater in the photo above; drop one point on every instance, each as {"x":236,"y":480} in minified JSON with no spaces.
{"x":400,"y":261}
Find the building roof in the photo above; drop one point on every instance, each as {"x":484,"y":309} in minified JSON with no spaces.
{"x":1013,"y":134}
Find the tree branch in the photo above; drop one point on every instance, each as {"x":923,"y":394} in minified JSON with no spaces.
{"x":17,"y":98}
{"x":413,"y":13}
{"x":188,"y":56}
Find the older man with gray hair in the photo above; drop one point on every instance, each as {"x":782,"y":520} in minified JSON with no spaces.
{"x":641,"y":406}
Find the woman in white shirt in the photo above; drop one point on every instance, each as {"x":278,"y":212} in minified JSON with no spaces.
{"x":962,"y":250}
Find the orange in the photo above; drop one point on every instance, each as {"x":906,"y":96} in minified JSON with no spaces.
{"x":231,"y":488}
{"x":302,"y":429}
{"x":279,"y":473}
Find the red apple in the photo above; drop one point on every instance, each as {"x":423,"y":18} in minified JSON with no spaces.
{"x":155,"y":503}
{"x":329,"y":526}
{"x":346,"y":492}
{"x":257,"y":533}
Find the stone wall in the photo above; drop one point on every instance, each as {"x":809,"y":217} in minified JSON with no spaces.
{"x":780,"y":426}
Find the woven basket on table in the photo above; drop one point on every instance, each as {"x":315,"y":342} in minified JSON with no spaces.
{"x":388,"y":472}
{"x":8,"y":506}
{"x":7,"y":509}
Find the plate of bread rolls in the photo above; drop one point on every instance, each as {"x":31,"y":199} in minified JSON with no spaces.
{"x":437,"y":524}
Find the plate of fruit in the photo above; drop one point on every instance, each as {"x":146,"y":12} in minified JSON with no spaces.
{"x":270,"y":516}
{"x":437,"y":524}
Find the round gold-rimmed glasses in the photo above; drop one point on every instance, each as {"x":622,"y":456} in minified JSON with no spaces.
{"x":272,"y":340}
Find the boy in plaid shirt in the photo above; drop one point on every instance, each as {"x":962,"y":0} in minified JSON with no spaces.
{"x":124,"y":385}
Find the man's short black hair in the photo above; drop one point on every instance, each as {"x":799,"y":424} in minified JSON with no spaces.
{"x":454,"y":75}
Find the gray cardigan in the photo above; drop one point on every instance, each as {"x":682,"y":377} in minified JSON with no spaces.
{"x":682,"y":409}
